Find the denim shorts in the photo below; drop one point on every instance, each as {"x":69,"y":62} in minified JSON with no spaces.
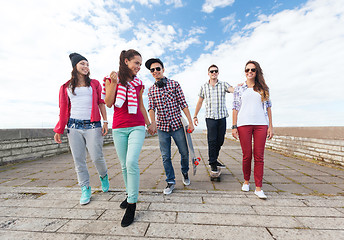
{"x":83,"y":124}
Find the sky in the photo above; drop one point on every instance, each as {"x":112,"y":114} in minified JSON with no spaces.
{"x":299,"y":45}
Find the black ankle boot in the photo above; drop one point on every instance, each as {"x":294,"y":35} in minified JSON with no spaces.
{"x":129,"y":215}
{"x":124,"y":204}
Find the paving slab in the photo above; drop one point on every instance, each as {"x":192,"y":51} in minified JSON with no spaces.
{"x":10,"y":235}
{"x":189,"y":231}
{"x":328,"y":223}
{"x":305,"y":234}
{"x":299,"y":211}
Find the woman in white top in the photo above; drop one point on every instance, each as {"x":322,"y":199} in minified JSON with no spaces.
{"x":252,"y":118}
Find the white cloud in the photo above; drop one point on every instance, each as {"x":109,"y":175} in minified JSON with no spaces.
{"x":209,"y":45}
{"x":210,"y":5}
{"x":197,"y":30}
{"x":183,"y":45}
{"x":229,"y":23}
{"x":299,"y":51}
{"x":176,"y":3}
{"x":142,"y":2}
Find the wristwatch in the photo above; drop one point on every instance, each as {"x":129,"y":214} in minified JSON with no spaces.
{"x":234,"y":127}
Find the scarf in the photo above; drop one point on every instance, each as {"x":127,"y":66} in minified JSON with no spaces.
{"x":123,"y":91}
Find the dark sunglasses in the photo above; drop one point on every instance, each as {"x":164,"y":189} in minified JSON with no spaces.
{"x":157,"y":69}
{"x":214,"y":71}
{"x":252,"y":70}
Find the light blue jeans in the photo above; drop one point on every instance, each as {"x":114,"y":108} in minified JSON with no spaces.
{"x":92,"y":139}
{"x":165,"y":149}
{"x":128,"y":143}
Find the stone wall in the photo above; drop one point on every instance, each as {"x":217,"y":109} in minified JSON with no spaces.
{"x":319,"y":143}
{"x":27,"y":144}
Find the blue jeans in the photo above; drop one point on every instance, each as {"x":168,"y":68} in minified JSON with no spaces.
{"x":165,"y":149}
{"x":128,"y":143}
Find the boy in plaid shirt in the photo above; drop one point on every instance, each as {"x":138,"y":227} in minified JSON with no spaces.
{"x":166,"y":100}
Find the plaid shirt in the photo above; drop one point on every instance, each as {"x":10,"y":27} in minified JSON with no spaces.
{"x":215,"y":99}
{"x":238,"y":91}
{"x":167,"y":103}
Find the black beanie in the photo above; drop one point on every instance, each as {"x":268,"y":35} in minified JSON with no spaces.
{"x":75,"y":58}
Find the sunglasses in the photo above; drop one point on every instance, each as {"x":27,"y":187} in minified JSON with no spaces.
{"x":214,"y":71}
{"x":158,"y":69}
{"x":248,"y":69}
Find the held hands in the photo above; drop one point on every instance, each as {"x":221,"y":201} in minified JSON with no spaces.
{"x":235,"y":133}
{"x":152,"y":129}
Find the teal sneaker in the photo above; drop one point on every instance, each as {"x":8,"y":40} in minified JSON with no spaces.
{"x":85,"y":195}
{"x":105,"y":183}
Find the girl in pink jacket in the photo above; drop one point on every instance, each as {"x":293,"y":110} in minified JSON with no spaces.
{"x":80,"y":108}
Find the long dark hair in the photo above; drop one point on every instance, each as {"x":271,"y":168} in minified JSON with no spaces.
{"x":124,"y":73}
{"x":259,"y":81}
{"x":74,"y":79}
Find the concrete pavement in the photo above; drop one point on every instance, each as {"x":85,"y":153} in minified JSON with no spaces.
{"x":40,"y":199}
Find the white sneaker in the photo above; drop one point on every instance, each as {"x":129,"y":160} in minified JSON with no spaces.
{"x":245,"y":187}
{"x":169,"y":188}
{"x":260,"y":194}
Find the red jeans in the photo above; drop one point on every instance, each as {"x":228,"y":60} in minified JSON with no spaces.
{"x":259,"y":133}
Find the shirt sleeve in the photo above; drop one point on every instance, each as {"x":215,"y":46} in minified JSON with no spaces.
{"x":180,"y":96}
{"x":103,"y":88}
{"x":100,"y":100}
{"x":201,"y":92}
{"x":268,"y":103}
{"x":236,"y":99}
{"x":150,"y":100}
{"x":64,"y":111}
{"x":227,"y":85}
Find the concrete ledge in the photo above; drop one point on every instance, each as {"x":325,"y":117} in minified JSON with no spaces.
{"x":311,"y":132}
{"x":9,"y":134}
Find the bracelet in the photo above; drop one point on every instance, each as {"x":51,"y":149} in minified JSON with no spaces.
{"x":194,"y":117}
{"x":149,"y":125}
{"x":234,"y":127}
{"x":105,"y":121}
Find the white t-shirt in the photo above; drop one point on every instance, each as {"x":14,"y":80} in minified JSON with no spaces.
{"x":81,"y":103}
{"x":252,"y":109}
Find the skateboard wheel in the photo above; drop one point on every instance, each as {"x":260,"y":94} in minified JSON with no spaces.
{"x":189,"y":131}
{"x":196,"y":163}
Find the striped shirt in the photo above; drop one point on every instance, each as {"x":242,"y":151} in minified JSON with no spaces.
{"x":167,"y":103}
{"x":215,"y":99}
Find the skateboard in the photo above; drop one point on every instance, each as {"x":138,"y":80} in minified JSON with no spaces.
{"x":216,"y":176}
{"x":195,"y":161}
